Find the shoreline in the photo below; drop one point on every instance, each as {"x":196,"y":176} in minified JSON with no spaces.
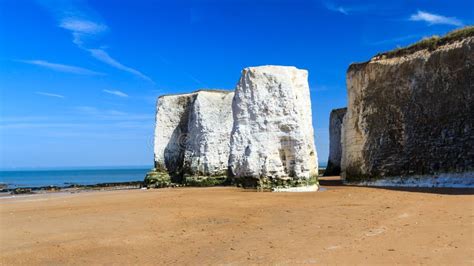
{"x":72,"y":188}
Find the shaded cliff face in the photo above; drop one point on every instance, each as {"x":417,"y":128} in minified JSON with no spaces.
{"x":411,"y":115}
{"x":192,"y":134}
{"x":171,"y":129}
{"x":272,"y":137}
{"x":335,"y":149}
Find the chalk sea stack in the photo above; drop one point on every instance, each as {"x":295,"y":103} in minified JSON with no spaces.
{"x":191,"y":143}
{"x":410,"y":115}
{"x":272,"y":140}
{"x":335,"y":149}
{"x":260,"y":136}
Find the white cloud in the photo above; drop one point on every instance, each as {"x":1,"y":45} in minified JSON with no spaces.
{"x":82,"y":26}
{"x":49,"y":94}
{"x":81,"y":22}
{"x":340,"y":9}
{"x":435,"y":19}
{"x":100,"y":113}
{"x":103,"y":56}
{"x":116,"y":93}
{"x":349,"y":10}
{"x":61,"y":67}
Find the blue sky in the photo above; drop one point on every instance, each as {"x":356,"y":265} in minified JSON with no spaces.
{"x":79,"y":80}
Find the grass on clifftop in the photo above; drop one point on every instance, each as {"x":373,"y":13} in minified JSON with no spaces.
{"x":430,"y":43}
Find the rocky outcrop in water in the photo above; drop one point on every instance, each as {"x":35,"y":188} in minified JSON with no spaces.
{"x":410,"y":115}
{"x":335,"y":149}
{"x":192,"y":138}
{"x":272,"y":141}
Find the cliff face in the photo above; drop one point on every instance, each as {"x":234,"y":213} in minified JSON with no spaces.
{"x":192,"y":136}
{"x":171,"y":130}
{"x":335,"y":149}
{"x":272,"y":141}
{"x":411,"y":115}
{"x":208,"y":139}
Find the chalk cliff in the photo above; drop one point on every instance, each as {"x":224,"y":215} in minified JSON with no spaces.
{"x":335,"y":149}
{"x":208,"y":137}
{"x":171,"y":132}
{"x":410,"y":115}
{"x":272,"y":140}
{"x":192,"y":135}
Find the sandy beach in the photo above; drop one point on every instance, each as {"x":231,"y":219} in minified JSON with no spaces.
{"x":222,"y":225}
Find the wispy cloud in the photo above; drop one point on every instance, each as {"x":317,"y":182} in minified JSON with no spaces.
{"x":82,"y":26}
{"x":79,"y":21}
{"x":100,"y":113}
{"x":61,"y":67}
{"x":103,"y":56}
{"x":49,"y":94}
{"x":335,"y":8}
{"x":433,"y":19}
{"x":347,"y":10}
{"x":116,"y":93}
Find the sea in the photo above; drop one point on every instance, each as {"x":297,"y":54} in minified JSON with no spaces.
{"x":72,"y":176}
{"x":67,"y":177}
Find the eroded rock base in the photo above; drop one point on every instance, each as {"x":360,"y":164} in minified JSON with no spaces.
{"x":276,"y":184}
{"x":206,"y":181}
{"x":161,"y":179}
{"x":157,"y":179}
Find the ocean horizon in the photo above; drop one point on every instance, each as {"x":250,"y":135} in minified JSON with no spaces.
{"x":79,"y":175}
{"x":63,"y":177}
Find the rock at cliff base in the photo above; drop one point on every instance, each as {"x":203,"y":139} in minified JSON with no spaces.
{"x":272,"y":140}
{"x":335,"y":149}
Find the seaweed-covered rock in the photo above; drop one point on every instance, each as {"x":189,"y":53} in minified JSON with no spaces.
{"x":157,"y":179}
{"x":22,"y":190}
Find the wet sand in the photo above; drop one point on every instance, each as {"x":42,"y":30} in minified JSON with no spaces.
{"x":345,"y":225}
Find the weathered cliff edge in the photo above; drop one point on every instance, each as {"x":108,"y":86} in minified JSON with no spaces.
{"x":410,"y":115}
{"x":335,"y":150}
{"x":272,"y":140}
{"x":191,"y":143}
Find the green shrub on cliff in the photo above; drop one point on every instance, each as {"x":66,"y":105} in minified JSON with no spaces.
{"x":430,"y":43}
